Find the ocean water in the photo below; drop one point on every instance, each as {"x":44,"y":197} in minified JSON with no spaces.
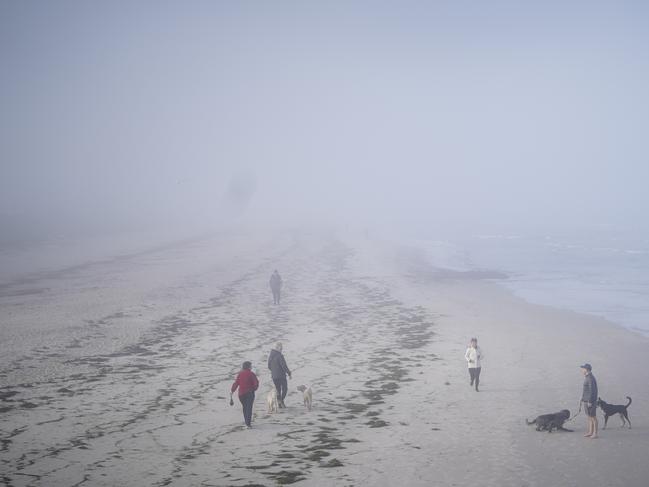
{"x":602,"y":273}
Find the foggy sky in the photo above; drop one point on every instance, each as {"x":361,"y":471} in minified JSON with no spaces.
{"x":437,"y":112}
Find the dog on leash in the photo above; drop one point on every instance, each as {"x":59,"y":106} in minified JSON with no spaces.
{"x":612,"y":409}
{"x":551,"y":421}
{"x":307,"y":395}
{"x":271,"y":400}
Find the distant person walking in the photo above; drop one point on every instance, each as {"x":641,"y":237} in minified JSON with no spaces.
{"x":473,"y":358}
{"x":247,"y":383}
{"x":278,"y":371}
{"x":589,"y":400}
{"x":275,"y":286}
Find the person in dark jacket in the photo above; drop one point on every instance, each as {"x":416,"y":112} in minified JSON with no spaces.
{"x":247,"y":383}
{"x":275,"y":286}
{"x":589,"y":400}
{"x":278,"y":371}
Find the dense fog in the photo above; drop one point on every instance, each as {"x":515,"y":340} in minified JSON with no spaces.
{"x":258,"y":242}
{"x":121,"y":116}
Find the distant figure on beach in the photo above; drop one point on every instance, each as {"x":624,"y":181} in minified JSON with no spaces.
{"x":247,"y":383}
{"x":589,"y":400}
{"x":275,"y":286}
{"x":278,"y":371}
{"x":473,"y":358}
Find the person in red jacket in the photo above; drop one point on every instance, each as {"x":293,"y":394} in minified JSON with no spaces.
{"x":247,"y":383}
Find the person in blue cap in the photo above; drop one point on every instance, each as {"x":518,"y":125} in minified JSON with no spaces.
{"x":589,"y":400}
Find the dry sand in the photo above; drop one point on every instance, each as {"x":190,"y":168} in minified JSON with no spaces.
{"x":118,"y":373}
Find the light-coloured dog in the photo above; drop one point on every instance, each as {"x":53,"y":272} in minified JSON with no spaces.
{"x":271,"y":400}
{"x":307,"y":395}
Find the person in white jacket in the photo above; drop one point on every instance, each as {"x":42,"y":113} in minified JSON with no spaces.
{"x":473,"y":358}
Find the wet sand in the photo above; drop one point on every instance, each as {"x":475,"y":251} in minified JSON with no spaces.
{"x":119,"y":374}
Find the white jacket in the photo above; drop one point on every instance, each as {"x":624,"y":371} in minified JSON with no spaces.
{"x":473,"y":357}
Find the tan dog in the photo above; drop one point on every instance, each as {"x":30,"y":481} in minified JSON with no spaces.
{"x":307,"y":395}
{"x":271,"y":400}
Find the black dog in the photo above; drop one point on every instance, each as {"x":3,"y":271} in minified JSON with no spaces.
{"x":611,"y":409}
{"x":551,"y":421}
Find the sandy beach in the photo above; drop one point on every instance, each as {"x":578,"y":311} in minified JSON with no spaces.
{"x":118,"y":373}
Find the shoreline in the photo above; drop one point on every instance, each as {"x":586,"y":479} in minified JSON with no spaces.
{"x":452,"y":260}
{"x":644,"y":332}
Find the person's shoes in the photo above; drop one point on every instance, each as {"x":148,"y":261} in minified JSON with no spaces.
{"x":248,"y":426}
{"x":281,"y":403}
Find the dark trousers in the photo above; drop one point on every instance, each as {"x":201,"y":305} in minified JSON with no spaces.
{"x":474,"y":372}
{"x":246,"y":401}
{"x":281,"y":385}
{"x":275,"y":296}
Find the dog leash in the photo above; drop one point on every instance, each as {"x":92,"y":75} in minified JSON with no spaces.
{"x":580,"y":403}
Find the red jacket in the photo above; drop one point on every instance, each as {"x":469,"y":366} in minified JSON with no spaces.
{"x":246,"y":382}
